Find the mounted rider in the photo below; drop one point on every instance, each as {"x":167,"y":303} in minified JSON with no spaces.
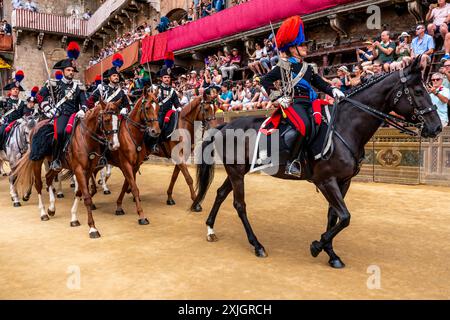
{"x":297,"y":77}
{"x":169,"y":104}
{"x":30,"y":108}
{"x":13,"y":107}
{"x":62,"y":100}
{"x":112,"y":91}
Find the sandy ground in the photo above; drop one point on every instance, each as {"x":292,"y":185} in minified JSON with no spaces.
{"x":398,"y":232}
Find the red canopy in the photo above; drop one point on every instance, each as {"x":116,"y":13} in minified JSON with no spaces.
{"x":247,"y":16}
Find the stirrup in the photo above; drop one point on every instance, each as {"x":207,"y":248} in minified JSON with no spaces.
{"x":294,"y":168}
{"x":56,"y":165}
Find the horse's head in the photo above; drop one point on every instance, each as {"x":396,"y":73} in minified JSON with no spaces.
{"x":208,"y":108}
{"x":149,"y":112}
{"x":410,"y":99}
{"x":108,"y":121}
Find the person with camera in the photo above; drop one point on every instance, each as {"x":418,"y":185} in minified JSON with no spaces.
{"x":439,"y":14}
{"x":403,"y":52}
{"x":439,"y":96}
{"x":365,"y":57}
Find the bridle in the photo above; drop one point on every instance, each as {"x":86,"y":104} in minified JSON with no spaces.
{"x":399,"y":123}
{"x":146,"y":120}
{"x":141,"y":127}
{"x":394,"y":95}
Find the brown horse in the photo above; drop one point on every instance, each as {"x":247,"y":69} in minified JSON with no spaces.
{"x":201,"y":109}
{"x":132,"y":152}
{"x":91,"y":137}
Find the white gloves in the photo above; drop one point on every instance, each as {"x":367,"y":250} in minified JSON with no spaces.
{"x":48,"y":111}
{"x":285,"y":102}
{"x":338,"y":94}
{"x":80,"y":114}
{"x":124,"y":111}
{"x":179,"y":109}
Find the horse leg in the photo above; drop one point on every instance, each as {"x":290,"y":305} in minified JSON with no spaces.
{"x":190,"y":183}
{"x":332,"y":192}
{"x":13,"y":192}
{"x":74,"y":222}
{"x":37,"y":170}
{"x":50,"y":177}
{"x":236,"y":175}
{"x":59,"y":192}
{"x":104,"y":175}
{"x":83,"y":185}
{"x":222,"y":194}
{"x":335,"y":261}
{"x":129,"y":174}
{"x":72,"y":182}
{"x":93,"y":191}
{"x":119,"y":209}
{"x":176,"y":171}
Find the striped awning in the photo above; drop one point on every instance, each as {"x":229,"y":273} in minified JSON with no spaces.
{"x":51,"y":23}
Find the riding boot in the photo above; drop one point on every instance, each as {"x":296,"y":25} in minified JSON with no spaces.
{"x":294,"y":166}
{"x":56,"y":163}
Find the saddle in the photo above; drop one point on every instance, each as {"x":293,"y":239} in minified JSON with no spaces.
{"x":317,"y":143}
{"x":170,"y":123}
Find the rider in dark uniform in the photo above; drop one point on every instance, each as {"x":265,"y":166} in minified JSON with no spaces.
{"x":297,"y":78}
{"x":62,"y":100}
{"x":13,"y":107}
{"x":30,"y":108}
{"x":112,"y":91}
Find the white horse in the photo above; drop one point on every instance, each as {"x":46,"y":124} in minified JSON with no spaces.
{"x":16,"y":145}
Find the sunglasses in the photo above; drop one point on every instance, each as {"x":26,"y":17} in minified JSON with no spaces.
{"x":439,"y":79}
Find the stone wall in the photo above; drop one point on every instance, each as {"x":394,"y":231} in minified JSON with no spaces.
{"x":29,"y":58}
{"x":169,"y":5}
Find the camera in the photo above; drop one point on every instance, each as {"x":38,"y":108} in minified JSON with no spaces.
{"x":402,"y":39}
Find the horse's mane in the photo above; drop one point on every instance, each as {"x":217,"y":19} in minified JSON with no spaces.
{"x":190,"y":106}
{"x":367,"y":84}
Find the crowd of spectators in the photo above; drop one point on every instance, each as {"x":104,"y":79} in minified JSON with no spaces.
{"x":121,"y":42}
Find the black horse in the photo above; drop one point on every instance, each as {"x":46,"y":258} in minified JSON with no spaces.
{"x":355,"y":123}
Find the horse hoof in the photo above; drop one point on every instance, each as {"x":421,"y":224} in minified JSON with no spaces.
{"x":120,"y":212}
{"x":26,"y":198}
{"x":261,"y":253}
{"x":5,"y":174}
{"x":143,"y":222}
{"x":75,"y":223}
{"x":50,"y":212}
{"x":99,"y":182}
{"x":45,"y":218}
{"x":212,"y":238}
{"x":316,"y":248}
{"x":197,"y":208}
{"x":60,"y":195}
{"x":170,"y":202}
{"x":72,"y":185}
{"x":93,"y":207}
{"x":106,"y":192}
{"x":336,"y":263}
{"x":94,"y":235}
{"x":17,"y":204}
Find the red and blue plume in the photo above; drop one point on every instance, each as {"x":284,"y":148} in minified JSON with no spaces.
{"x":34,"y":91}
{"x":98,"y":79}
{"x":58,"y":75}
{"x":19,"y":75}
{"x":291,"y":33}
{"x":117,"y":60}
{"x":73,"y":50}
{"x":169,"y":59}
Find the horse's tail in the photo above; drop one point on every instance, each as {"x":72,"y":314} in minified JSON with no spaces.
{"x":23,"y":173}
{"x":205,"y":176}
